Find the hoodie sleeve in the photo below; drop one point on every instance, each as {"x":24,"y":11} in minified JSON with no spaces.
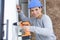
{"x":47,"y":30}
{"x":22,"y":16}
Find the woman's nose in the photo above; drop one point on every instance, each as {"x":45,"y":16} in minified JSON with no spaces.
{"x":34,"y":12}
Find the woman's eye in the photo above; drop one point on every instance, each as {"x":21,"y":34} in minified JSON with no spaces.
{"x":36,"y":9}
{"x":31,"y":10}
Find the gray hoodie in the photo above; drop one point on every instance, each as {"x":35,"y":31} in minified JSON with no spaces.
{"x":42,"y":27}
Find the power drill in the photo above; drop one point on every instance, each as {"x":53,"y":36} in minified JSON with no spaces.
{"x":26,"y":34}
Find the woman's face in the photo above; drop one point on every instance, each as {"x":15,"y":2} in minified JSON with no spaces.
{"x":35,"y":12}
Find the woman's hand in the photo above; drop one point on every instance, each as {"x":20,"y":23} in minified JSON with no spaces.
{"x":18,"y":8}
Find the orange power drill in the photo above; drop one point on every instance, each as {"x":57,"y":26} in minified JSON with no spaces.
{"x":26,"y":32}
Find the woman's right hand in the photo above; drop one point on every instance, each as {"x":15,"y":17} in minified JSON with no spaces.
{"x":18,"y":8}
